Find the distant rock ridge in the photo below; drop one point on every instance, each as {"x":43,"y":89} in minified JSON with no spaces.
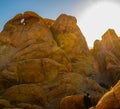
{"x":109,"y":38}
{"x":44,"y":60}
{"x":107,"y":55}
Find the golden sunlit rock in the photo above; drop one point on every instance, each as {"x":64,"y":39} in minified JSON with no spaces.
{"x":72,"y":102}
{"x":111,"y":99}
{"x":42,"y":61}
{"x":106,"y":53}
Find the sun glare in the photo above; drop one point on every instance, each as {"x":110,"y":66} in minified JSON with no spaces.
{"x":98,"y":18}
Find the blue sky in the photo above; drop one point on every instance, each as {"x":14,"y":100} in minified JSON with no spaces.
{"x":45,"y":8}
{"x":94,"y":16}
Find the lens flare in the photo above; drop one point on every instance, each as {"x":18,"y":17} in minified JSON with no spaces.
{"x":97,"y":18}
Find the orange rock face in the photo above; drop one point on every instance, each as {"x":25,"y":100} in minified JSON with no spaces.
{"x":29,"y":50}
{"x":111,"y":100}
{"x":42,"y":61}
{"x":106,"y":53}
{"x":72,"y":102}
{"x":69,"y":38}
{"x":28,"y":93}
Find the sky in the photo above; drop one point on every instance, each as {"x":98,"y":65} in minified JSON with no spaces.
{"x":94,"y":17}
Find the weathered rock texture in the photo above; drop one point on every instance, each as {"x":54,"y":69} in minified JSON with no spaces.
{"x":107,"y":56}
{"x":42,"y":61}
{"x":28,"y":52}
{"x":69,"y":38}
{"x":73,"y":102}
{"x":77,"y":102}
{"x":26,"y":93}
{"x":111,"y":100}
{"x":4,"y":103}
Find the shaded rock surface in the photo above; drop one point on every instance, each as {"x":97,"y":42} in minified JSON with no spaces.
{"x":13,"y":108}
{"x":29,"y":93}
{"x":29,"y":106}
{"x":4,"y":103}
{"x":72,"y":84}
{"x":110,"y":100}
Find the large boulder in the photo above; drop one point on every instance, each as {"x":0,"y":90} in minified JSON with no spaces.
{"x":49,"y":94}
{"x":28,"y":52}
{"x":76,"y":102}
{"x":4,"y":103}
{"x":73,"y":102}
{"x":72,"y":84}
{"x":111,"y":100}
{"x":69,"y":37}
{"x":28,"y":93}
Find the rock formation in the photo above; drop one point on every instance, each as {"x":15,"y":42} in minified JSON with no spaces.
{"x":111,"y":100}
{"x":107,"y":55}
{"x":69,"y":38}
{"x":43,"y":61}
{"x":73,"y":102}
{"x":30,"y":48}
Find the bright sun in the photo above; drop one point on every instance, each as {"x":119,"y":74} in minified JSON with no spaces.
{"x":97,"y":18}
